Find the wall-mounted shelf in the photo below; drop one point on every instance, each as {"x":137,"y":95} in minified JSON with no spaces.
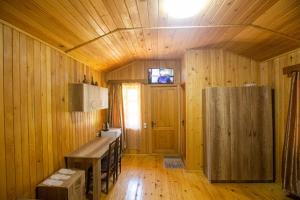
{"x":86,"y":98}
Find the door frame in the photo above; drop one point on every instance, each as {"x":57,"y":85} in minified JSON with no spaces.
{"x":178,"y":148}
{"x":182,"y":123}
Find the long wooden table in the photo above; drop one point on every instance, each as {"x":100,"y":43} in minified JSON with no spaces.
{"x":91,"y":154}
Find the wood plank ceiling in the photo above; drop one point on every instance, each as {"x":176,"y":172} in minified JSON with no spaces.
{"x":109,"y":33}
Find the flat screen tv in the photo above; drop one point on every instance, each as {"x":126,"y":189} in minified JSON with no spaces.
{"x":160,"y":76}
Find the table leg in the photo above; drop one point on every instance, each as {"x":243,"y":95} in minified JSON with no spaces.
{"x":96,"y":179}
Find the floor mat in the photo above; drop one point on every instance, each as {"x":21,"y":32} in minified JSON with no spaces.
{"x":173,"y":162}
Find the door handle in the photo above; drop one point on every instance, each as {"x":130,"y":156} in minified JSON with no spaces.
{"x":153,"y":124}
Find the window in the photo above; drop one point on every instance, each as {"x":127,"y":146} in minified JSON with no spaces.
{"x":132,"y":105}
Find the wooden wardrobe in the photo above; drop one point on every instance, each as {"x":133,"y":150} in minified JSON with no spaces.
{"x":238,"y":134}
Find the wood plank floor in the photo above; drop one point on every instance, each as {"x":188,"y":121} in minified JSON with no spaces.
{"x":144,"y":177}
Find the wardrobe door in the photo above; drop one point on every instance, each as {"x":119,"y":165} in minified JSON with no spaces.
{"x":262,"y":133}
{"x":240,"y":123}
{"x":220,"y":157}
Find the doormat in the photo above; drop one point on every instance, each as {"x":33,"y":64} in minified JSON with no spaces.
{"x":173,"y":162}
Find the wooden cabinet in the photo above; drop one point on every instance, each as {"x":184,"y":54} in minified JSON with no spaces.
{"x":238,"y":134}
{"x":85,"y":97}
{"x":71,"y":189}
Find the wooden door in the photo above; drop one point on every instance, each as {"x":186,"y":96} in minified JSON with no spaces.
{"x":164,"y":119}
{"x":240,"y":128}
{"x":262,"y":134}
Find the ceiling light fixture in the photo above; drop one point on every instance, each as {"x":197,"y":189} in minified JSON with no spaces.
{"x":183,"y":8}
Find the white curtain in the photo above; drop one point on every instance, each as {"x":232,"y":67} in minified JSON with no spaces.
{"x":132,"y":105}
{"x":132,"y":114}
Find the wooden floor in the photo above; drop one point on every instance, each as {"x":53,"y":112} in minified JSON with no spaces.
{"x":144,"y":177}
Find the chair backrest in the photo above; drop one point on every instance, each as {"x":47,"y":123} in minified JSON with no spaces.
{"x":111,"y":156}
{"x":119,"y":146}
{"x":112,"y":146}
{"x":118,"y":141}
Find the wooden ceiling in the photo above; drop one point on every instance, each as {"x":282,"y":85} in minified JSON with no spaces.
{"x":109,"y":33}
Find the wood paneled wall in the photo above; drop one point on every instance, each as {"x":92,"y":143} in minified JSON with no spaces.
{"x":137,"y":70}
{"x":215,"y":67}
{"x":271,"y":74}
{"x":36,"y":129}
{"x":206,"y":68}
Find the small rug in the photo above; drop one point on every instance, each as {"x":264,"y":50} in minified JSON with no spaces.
{"x":173,"y":162}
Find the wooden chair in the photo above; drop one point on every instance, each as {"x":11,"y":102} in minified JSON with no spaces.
{"x":119,"y":157}
{"x":108,"y":165}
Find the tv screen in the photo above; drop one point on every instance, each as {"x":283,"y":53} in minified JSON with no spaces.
{"x":160,"y":76}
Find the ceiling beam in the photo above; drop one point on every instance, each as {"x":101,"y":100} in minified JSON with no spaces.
{"x":276,"y":33}
{"x":187,"y":27}
{"x":155,"y":28}
{"x":101,"y":36}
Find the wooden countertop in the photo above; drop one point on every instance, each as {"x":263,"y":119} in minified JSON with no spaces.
{"x":95,"y":149}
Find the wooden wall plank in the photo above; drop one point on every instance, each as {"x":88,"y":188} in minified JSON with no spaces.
{"x":49,"y":109}
{"x":8,"y":113}
{"x":44,"y":111}
{"x":59,"y":118}
{"x":65,"y":101}
{"x":17,"y":112}
{"x":76,"y":117}
{"x":36,"y":129}
{"x":24,"y":116}
{"x":38,"y":110}
{"x":61,"y":111}
{"x":71,"y":80}
{"x":54,"y":107}
{"x":2,"y":133}
{"x":31,"y":126}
